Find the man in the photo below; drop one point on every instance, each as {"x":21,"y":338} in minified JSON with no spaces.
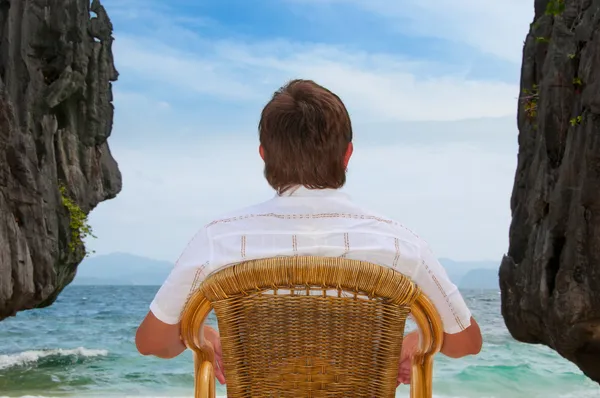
{"x":306,"y":144}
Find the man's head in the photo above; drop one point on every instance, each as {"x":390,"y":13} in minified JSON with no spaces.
{"x":305,"y":137}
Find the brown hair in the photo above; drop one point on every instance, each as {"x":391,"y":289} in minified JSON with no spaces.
{"x":305,"y":130}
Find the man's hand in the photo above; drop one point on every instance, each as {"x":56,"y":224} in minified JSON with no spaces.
{"x":211,"y":336}
{"x":410,"y":346}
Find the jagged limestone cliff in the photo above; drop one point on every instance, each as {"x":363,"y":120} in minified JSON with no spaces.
{"x":56,"y":69}
{"x":550,"y":277}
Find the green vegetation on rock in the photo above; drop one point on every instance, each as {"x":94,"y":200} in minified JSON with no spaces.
{"x":530,"y":99}
{"x":80,"y":229}
{"x":555,"y":7}
{"x":576,"y":120}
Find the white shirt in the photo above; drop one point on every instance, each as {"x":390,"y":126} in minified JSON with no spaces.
{"x":305,"y":222}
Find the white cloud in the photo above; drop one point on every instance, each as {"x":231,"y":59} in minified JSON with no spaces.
{"x":373,"y":86}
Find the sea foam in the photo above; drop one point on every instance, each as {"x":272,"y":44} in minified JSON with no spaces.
{"x":26,"y":358}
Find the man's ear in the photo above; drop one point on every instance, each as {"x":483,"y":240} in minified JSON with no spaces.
{"x":261,"y":151}
{"x":348,"y":154}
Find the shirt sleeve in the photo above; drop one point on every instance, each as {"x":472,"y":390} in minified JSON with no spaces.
{"x":433,"y":280}
{"x":169,"y":302}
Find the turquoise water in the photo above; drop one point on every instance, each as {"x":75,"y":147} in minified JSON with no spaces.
{"x":83,"y":347}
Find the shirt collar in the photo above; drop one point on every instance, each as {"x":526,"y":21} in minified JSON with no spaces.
{"x":300,"y":191}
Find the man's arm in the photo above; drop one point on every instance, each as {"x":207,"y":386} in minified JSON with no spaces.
{"x":457,"y":345}
{"x":462,"y":335}
{"x":157,"y":338}
{"x":162,"y":340}
{"x":159,"y":333}
{"x":461,"y":344}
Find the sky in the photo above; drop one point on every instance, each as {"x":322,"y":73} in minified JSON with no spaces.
{"x":431,"y":87}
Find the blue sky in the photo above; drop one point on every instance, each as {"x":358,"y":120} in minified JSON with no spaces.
{"x":431,"y":86}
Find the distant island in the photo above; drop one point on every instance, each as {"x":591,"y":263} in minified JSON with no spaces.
{"x":129,"y":269}
{"x":473,"y":274}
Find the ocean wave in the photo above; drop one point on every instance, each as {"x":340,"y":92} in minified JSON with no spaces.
{"x":29,"y":396}
{"x":27,"y":358}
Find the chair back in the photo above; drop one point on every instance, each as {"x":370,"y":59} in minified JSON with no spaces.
{"x":312,"y":327}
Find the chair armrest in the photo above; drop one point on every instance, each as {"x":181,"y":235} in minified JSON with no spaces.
{"x":204,"y":377}
{"x":192,"y":334}
{"x":431,"y":338}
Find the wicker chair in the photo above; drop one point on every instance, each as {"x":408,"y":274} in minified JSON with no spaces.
{"x":310,"y":327}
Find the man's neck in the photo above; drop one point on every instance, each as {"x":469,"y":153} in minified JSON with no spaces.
{"x":302,"y":191}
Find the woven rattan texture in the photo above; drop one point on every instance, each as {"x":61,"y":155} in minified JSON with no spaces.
{"x":288,"y":330}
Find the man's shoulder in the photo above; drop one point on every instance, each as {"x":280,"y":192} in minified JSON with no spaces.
{"x":393,"y":226}
{"x":239,"y":214}
{"x":218,"y":226}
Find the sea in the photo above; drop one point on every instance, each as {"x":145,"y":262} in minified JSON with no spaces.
{"x":83,"y":346}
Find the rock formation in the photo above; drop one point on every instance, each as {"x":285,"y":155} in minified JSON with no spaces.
{"x":550,"y":277}
{"x":56,"y":69}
